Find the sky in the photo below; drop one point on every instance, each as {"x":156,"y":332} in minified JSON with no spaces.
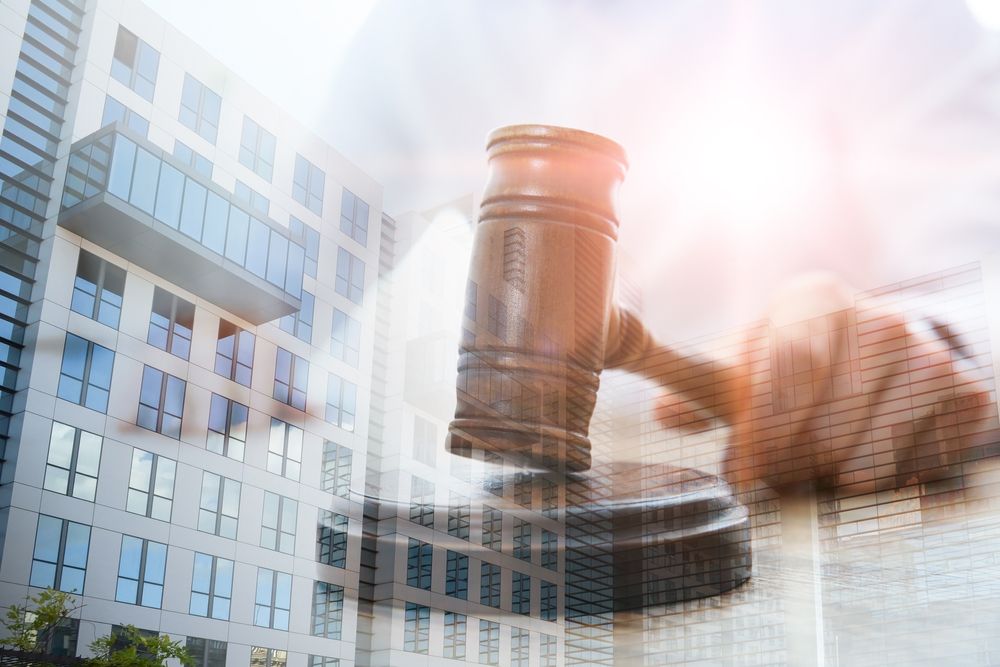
{"x":766,"y":139}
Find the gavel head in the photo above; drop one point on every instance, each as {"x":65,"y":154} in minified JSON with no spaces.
{"x":539,"y":297}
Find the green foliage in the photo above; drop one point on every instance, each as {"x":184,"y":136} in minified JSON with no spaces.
{"x":30,"y":629}
{"x":130,"y":648}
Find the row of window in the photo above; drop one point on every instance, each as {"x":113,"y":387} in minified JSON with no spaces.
{"x":60,"y":562}
{"x":419,"y":566}
{"x":417,"y":630}
{"x":136,"y":64}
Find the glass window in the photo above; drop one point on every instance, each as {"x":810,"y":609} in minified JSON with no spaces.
{"x":454,"y":635}
{"x":520,"y":647}
{"x":308,"y":184}
{"x":116,"y":112}
{"x":418,"y":564}
{"x":193,"y":210}
{"x":219,"y":510}
{"x":98,"y":289}
{"x":161,"y":402}
{"x":422,"y":501}
{"x":201,"y":164}
{"x":336,"y":474}
{"x":328,"y":610}
{"x":171,"y":322}
{"x":489,"y":642}
{"x":73,"y":462}
{"x":489,"y":585}
{"x":257,"y":247}
{"x":350,"y":280}
{"x":323,"y":661}
{"x":550,"y":604}
{"x":299,"y":323}
{"x":354,"y":217}
{"x":135,"y":63}
{"x":416,"y":628}
{"x":550,"y":550}
{"x":151,"y":485}
{"x":169,"y":201}
{"x":284,"y":451}
{"x":216,"y":218}
{"x":521,"y":594}
{"x":523,"y":489}
{"x":550,"y":651}
{"x":308,"y":238}
{"x":345,"y":338}
{"x":211,"y":587}
{"x":236,"y":235}
{"x":206,"y":652}
{"x":278,"y":523}
{"x":267,"y":657}
{"x":234,"y":353}
{"x":522,"y":539}
{"x":331,"y":539}
{"x":85,"y":376}
{"x":60,"y":556}
{"x":277,"y":260}
{"x":459,"y":513}
{"x":492,"y":528}
{"x":456,"y":580}
{"x":274,"y":599}
{"x":256,"y":200}
{"x":200,"y":108}
{"x":227,"y":427}
{"x":550,"y":499}
{"x":257,"y":149}
{"x":341,"y":402}
{"x":141,"y":569}
{"x":424,"y":440}
{"x":291,"y":379}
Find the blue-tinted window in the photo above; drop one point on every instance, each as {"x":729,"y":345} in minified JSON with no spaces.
{"x":256,"y":200}
{"x":336,"y":473}
{"x":520,"y":647}
{"x":345,"y":338}
{"x":73,"y":462}
{"x":135,"y":63}
{"x":151,"y":485}
{"x":192,"y":158}
{"x":550,"y":603}
{"x":492,"y":528}
{"x":299,"y":323}
{"x":257,"y":149}
{"x":236,"y":235}
{"x":422,"y":501}
{"x":60,"y":556}
{"x":278,"y":520}
{"x":521,"y":594}
{"x":307,"y":237}
{"x":85,"y":377}
{"x":144,"y":180}
{"x":211,"y":587}
{"x":350,"y":280}
{"x":354,"y":217}
{"x":98,"y":289}
{"x":307,"y":185}
{"x":489,"y":585}
{"x":200,"y":108}
{"x":257,"y":247}
{"x":331,"y":539}
{"x":456,"y":580}
{"x":171,"y":322}
{"x":216,"y":219}
{"x":291,"y":379}
{"x":193,"y":211}
{"x":416,"y":628}
{"x":550,"y":550}
{"x":116,"y":112}
{"x":418,"y":564}
{"x":341,"y":402}
{"x":459,"y":515}
{"x":234,"y":353}
{"x":161,"y":402}
{"x":273,"y":600}
{"x":219,"y":511}
{"x":454,"y":635}
{"x":141,"y":570}
{"x":284,"y":449}
{"x":169,"y":199}
{"x":328,"y":610}
{"x":227,"y":427}
{"x":522,"y":539}
{"x":489,"y":642}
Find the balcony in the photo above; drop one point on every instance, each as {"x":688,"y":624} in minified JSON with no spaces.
{"x":126,"y":195}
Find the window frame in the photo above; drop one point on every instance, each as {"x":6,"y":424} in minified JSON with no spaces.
{"x":419,"y":564}
{"x":328,"y":610}
{"x":233,"y":428}
{"x":349,"y":282}
{"x":255,"y":154}
{"x":151,"y":485}
{"x":166,"y":382}
{"x":213,"y":593}
{"x":132,"y":75}
{"x":351,"y":225}
{"x":331,"y":538}
{"x":291,"y":389}
{"x":73,"y":471}
{"x":223,"y":486}
{"x":275,"y":538}
{"x":456,"y":575}
{"x":59,"y":564}
{"x":416,"y":628}
{"x":106,"y":271}
{"x":308,"y":184}
{"x":336,"y":477}
{"x":272,"y":607}
{"x":85,"y":379}
{"x":345,"y":338}
{"x":174,"y":330}
{"x":141,"y":576}
{"x":231,"y":366}
{"x":290,"y":433}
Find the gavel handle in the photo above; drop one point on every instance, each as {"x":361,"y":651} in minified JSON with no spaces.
{"x":709,"y":385}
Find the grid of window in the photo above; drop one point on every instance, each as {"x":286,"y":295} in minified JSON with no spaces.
{"x":496,"y":318}
{"x":520,"y":647}
{"x":520,"y":599}
{"x":227,"y":427}
{"x":274,"y":599}
{"x":200,"y":108}
{"x":493,"y":473}
{"x":254,"y":199}
{"x":206,"y":652}
{"x":60,"y":557}
{"x":489,"y":585}
{"x":456,"y":579}
{"x":354,"y":217}
{"x":135,"y":63}
{"x":331,"y":539}
{"x":454,"y":635}
{"x":419,"y":556}
{"x":341,"y":402}
{"x":489,"y":642}
{"x":234,"y":353}
{"x":492,"y":528}
{"x":267,"y":657}
{"x":192,"y":158}
{"x":550,"y":604}
{"x":336,"y":473}
{"x":73,"y":462}
{"x":278,"y":523}
{"x":98,"y":289}
{"x":291,"y":379}
{"x":522,"y":489}
{"x":416,"y":628}
{"x":522,"y":539}
{"x":459,"y":514}
{"x":308,"y":238}
{"x":550,"y":499}
{"x":549,"y":653}
{"x":141,"y":568}
{"x":170,"y":323}
{"x":424,"y":440}
{"x":345,"y":338}
{"x":328,"y":610}
{"x":211,"y":587}
{"x":308,"y":184}
{"x":219,"y":510}
{"x":116,"y":112}
{"x":471,"y":300}
{"x":161,"y":402}
{"x":300,"y":323}
{"x":151,"y":485}
{"x":257,"y":149}
{"x":323,"y":661}
{"x":284,"y":449}
{"x":350,"y":279}
{"x":422,"y":501}
{"x":550,"y":550}
{"x":85,"y":375}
